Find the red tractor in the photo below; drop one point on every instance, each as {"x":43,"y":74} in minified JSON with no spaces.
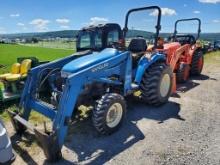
{"x":184,"y":54}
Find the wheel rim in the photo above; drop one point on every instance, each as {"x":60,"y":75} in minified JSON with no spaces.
{"x":165,"y":85}
{"x":200,"y":63}
{"x":114,"y":115}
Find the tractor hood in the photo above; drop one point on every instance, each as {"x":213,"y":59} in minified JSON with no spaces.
{"x":88,"y":61}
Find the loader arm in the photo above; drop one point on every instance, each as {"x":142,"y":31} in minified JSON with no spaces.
{"x":177,"y":55}
{"x":76,"y":81}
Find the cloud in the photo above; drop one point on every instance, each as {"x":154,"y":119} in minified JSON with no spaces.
{"x":216,"y":21}
{"x":64,"y":27}
{"x":165,"y":12}
{"x":196,"y":12}
{"x":15,"y":15}
{"x":98,"y":20}
{"x":20,"y":24}
{"x":24,"y":28}
{"x":210,"y":1}
{"x":62,"y":20}
{"x":40,"y":24}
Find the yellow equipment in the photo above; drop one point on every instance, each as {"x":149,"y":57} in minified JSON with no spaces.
{"x":15,"y":69}
{"x":11,"y":83}
{"x":18,"y":71}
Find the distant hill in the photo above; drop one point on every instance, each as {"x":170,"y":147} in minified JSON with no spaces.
{"x":67,"y":34}
{"x":210,"y":36}
{"x":43,"y":35}
{"x":73,"y":33}
{"x":203,"y":36}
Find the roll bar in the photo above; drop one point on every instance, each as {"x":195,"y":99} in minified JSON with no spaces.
{"x":185,"y":20}
{"x":158,"y":26}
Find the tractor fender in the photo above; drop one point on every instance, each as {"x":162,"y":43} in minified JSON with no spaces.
{"x":145,"y":63}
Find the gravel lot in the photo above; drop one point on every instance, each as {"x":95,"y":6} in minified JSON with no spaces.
{"x":184,"y":131}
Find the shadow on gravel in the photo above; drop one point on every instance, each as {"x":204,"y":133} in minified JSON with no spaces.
{"x":92,"y":148}
{"x":160,"y":114}
{"x":190,"y":84}
{"x":27,"y":141}
{"x":203,"y":77}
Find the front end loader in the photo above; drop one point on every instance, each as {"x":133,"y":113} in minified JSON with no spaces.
{"x":184,"y":53}
{"x":101,"y":80}
{"x":187,"y":59}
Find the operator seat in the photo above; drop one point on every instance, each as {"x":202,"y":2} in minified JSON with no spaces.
{"x":19,"y":71}
{"x":15,"y":69}
{"x":137,"y":47}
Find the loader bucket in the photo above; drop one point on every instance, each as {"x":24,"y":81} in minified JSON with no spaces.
{"x":47,"y":141}
{"x":49,"y":144}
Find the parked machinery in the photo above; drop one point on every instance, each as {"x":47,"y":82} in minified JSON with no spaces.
{"x":216,"y":45}
{"x":98,"y":79}
{"x":184,"y":54}
{"x":12,"y":83}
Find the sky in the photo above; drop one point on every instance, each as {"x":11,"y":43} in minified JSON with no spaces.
{"x":22,"y":16}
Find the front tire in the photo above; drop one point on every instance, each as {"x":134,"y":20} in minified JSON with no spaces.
{"x":182,"y":74}
{"x":109,"y":113}
{"x":197,"y":63}
{"x":156,"y":84}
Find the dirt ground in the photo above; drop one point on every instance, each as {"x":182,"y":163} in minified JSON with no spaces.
{"x":184,"y":131}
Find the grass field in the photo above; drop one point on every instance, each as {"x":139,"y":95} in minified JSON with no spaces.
{"x":213,"y":58}
{"x":9,"y":54}
{"x":55,"y":44}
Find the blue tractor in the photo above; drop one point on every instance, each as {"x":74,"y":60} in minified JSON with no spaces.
{"x":100,"y":79}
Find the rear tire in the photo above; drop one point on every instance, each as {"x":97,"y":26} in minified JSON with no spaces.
{"x":197,"y":63}
{"x":109,"y":113}
{"x":182,"y":74}
{"x":156,"y":84}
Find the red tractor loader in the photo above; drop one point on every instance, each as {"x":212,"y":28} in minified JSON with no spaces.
{"x":184,"y":54}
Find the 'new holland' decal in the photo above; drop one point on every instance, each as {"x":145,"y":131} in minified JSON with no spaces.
{"x":100,"y":67}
